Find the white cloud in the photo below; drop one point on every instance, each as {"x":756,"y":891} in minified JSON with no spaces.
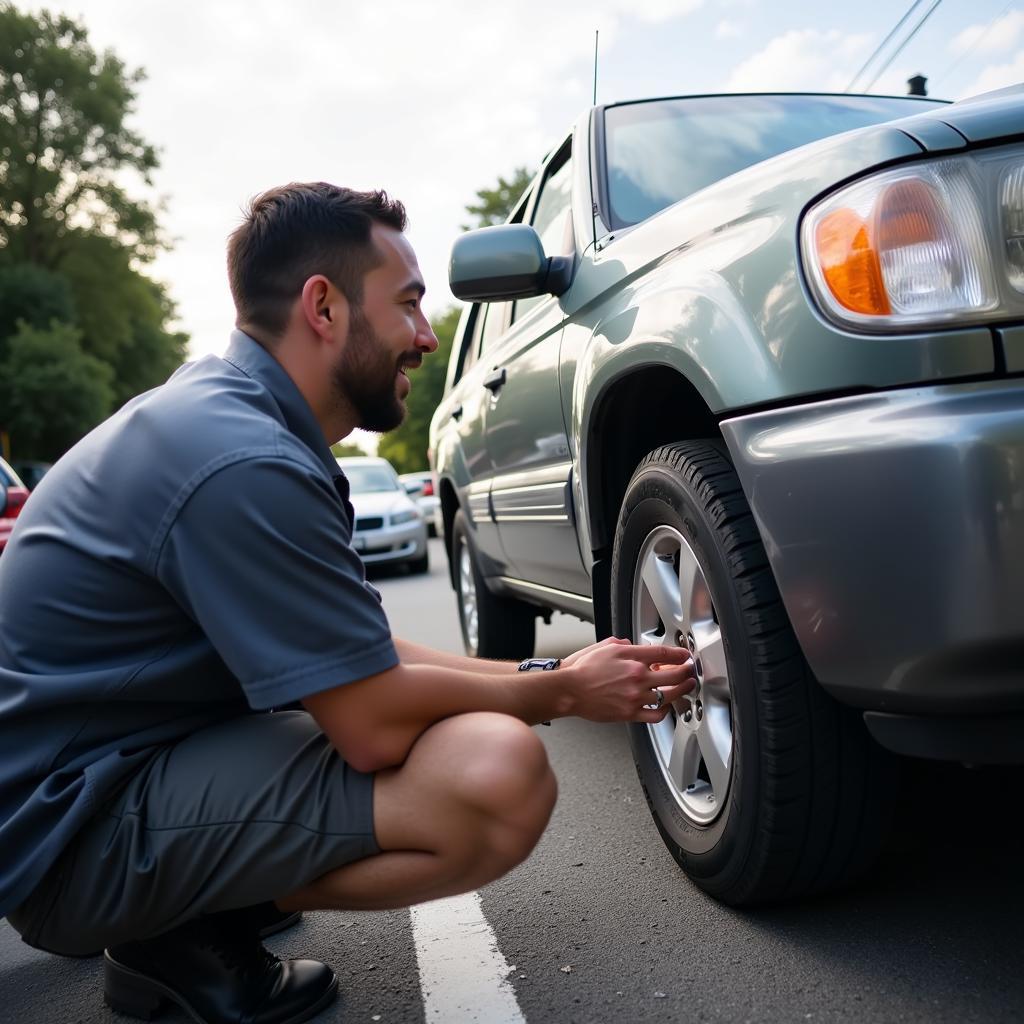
{"x":662,"y":10}
{"x":997,"y":37}
{"x":727,"y":29}
{"x":996,"y":76}
{"x":802,"y":59}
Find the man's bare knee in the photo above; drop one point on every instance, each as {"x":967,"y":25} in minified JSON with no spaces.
{"x":482,"y":788}
{"x":507,"y":786}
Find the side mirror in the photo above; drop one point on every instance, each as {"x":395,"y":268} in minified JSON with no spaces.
{"x":505,"y":262}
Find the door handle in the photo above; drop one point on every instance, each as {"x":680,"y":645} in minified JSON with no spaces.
{"x":457,"y":412}
{"x":495,"y":380}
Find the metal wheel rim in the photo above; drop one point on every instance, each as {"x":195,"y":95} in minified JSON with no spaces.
{"x":467,"y":598}
{"x":672,"y":605}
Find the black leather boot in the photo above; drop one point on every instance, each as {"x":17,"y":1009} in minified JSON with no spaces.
{"x":217,"y":970}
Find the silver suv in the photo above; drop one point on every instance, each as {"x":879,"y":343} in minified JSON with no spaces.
{"x":730,"y":380}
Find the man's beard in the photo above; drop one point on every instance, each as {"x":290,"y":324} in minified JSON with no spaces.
{"x":364,"y":376}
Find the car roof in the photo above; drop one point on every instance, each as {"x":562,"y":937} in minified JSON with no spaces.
{"x":781,"y":93}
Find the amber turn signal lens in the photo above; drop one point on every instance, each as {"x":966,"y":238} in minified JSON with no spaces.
{"x":850,"y":264}
{"x":914,"y":245}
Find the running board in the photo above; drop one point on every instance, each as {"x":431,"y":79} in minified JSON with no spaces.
{"x":560,"y":600}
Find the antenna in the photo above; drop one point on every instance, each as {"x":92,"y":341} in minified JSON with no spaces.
{"x":596,"y":33}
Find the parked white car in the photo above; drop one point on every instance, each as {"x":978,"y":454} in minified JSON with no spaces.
{"x":389,"y":526}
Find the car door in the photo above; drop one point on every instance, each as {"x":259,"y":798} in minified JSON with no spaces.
{"x":461,"y":441}
{"x":525,"y":429}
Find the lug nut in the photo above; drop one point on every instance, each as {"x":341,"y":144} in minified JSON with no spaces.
{"x":690,"y":642}
{"x":687,"y":715}
{"x":700,"y":712}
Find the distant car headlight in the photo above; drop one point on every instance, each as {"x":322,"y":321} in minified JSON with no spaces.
{"x":932,"y":243}
{"x":397,"y":518}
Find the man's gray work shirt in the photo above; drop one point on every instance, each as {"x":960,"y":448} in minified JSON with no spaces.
{"x":188,"y":561}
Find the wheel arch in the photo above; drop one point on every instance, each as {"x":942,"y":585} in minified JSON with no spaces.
{"x":617,"y":439}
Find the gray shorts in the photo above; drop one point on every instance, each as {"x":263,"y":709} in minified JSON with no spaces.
{"x":236,"y":814}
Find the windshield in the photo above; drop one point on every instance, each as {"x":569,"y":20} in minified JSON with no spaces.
{"x":661,"y":151}
{"x":366,"y":479}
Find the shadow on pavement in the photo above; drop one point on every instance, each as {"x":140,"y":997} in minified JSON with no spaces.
{"x":939,"y":922}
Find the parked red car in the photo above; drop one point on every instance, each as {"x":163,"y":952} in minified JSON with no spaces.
{"x":13,"y":494}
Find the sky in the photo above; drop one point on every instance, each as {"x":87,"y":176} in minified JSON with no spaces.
{"x":433,"y":100}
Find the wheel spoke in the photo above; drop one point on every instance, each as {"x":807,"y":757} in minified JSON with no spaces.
{"x":715,"y":740}
{"x":660,"y":580}
{"x":697,"y":606}
{"x":467,"y":591}
{"x":711,"y":650}
{"x":689,"y":572}
{"x":684,"y":760}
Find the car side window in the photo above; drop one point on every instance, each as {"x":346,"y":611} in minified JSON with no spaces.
{"x":552,"y":219}
{"x":495,"y":325}
{"x":470,"y":342}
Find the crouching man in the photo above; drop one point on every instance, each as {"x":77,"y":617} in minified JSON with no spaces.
{"x":186,"y":569}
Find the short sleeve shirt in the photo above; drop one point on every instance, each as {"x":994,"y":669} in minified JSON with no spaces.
{"x":188,"y":561}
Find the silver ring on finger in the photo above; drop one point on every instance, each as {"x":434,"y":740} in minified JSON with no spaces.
{"x":656,"y":706}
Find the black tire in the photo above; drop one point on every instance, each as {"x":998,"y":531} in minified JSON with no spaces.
{"x":806,"y":801}
{"x":418,"y":566}
{"x":505,"y":628}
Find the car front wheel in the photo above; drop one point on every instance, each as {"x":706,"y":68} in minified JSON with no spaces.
{"x":492,"y":626}
{"x":762,"y":786}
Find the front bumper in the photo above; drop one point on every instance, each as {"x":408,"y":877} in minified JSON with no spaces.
{"x":404,"y":543}
{"x":894,"y":525}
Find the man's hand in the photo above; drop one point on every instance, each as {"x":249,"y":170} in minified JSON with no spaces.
{"x":611,"y":681}
{"x":573,"y":658}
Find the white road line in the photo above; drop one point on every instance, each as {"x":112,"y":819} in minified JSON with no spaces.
{"x":463,"y":975}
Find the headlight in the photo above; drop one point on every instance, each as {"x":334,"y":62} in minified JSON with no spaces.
{"x":397,"y":518}
{"x":932,"y":243}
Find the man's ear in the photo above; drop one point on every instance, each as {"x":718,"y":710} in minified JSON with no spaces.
{"x":323,"y":306}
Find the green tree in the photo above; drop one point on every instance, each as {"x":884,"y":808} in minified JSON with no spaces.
{"x":31,"y":294}
{"x":406,"y":447}
{"x":493,"y":205}
{"x":123,"y":315}
{"x":74,"y":230}
{"x":51,"y":392}
{"x":64,"y":142}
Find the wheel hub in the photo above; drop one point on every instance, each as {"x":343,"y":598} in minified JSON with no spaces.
{"x":672,"y":605}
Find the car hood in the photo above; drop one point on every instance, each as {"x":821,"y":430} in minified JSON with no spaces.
{"x":380,"y":503}
{"x":984,"y":118}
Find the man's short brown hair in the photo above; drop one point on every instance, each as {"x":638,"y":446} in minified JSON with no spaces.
{"x":298,"y":230}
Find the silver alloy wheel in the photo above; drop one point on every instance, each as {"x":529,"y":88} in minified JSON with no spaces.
{"x":467,"y":597}
{"x":672,"y":605}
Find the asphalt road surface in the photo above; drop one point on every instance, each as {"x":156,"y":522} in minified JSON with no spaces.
{"x":600,"y":925}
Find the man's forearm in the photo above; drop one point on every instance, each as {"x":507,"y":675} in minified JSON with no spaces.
{"x":373,"y":723}
{"x":410,"y":653}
